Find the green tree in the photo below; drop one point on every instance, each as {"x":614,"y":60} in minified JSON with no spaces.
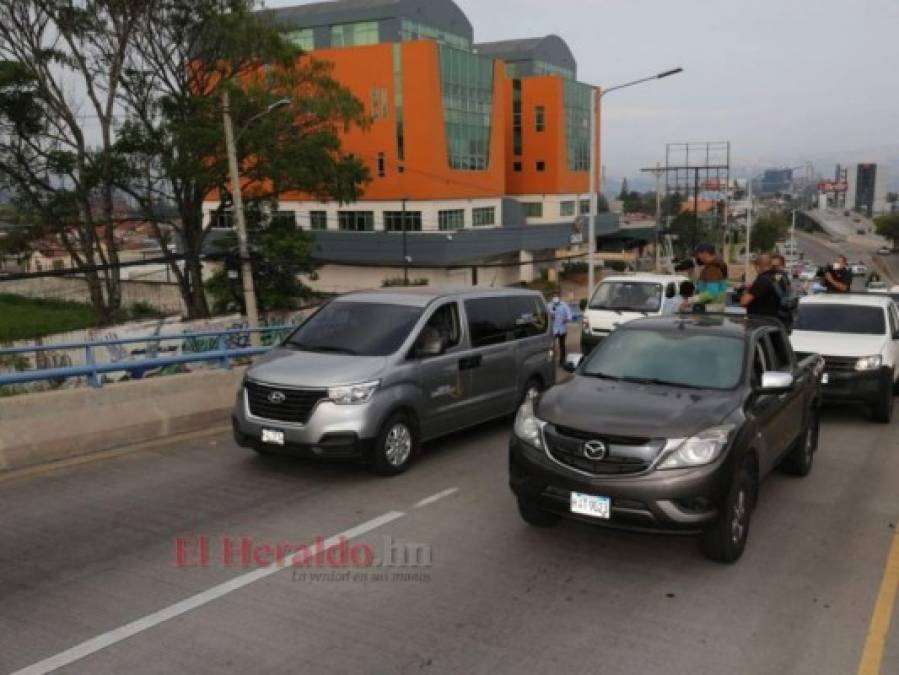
{"x":624,"y":191}
{"x":888,"y":227}
{"x":671,"y":204}
{"x":768,"y":229}
{"x":689,"y":231}
{"x":185,"y":57}
{"x":633,"y":202}
{"x":281,"y":252}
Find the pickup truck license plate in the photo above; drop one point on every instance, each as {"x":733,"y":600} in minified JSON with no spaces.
{"x":591,"y":505}
{"x":273,"y":437}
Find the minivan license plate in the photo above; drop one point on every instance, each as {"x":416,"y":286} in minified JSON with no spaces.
{"x":273,"y":437}
{"x":591,"y":505}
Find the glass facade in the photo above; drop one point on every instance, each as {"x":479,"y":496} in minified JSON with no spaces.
{"x":483,"y":215}
{"x":453,"y":219}
{"x":356,"y":221}
{"x":393,"y":221}
{"x":467,"y":85}
{"x":318,"y":220}
{"x":398,"y":102}
{"x":577,"y":125}
{"x":303,"y":38}
{"x":584,"y":207}
{"x":412,"y":30}
{"x":533,"y":209}
{"x":539,"y":118}
{"x":544,"y":68}
{"x":517,"y":144}
{"x":355,"y":34}
{"x":567,"y":208}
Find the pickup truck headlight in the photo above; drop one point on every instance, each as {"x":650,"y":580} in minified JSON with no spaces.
{"x":528,"y":427}
{"x":703,"y":448}
{"x":869,"y":362}
{"x":353,"y":394}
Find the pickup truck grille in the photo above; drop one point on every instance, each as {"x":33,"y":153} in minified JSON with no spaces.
{"x":623,"y":455}
{"x":833,"y":364}
{"x":296,"y":406}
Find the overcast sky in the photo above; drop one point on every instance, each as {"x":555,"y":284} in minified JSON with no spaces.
{"x":784,"y":80}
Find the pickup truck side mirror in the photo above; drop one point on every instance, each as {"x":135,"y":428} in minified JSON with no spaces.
{"x":776,"y":382}
{"x":572,"y":362}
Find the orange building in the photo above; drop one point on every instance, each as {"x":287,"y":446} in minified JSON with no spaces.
{"x":480,"y":152}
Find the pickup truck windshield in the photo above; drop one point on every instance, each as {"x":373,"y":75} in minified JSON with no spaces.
{"x":356,"y":329}
{"x":841,"y":319}
{"x":628,"y":296}
{"x":675,"y":358}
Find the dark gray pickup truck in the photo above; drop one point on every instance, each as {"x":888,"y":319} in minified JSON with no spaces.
{"x":669,"y":425}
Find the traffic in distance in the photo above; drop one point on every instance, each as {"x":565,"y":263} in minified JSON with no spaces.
{"x":687,"y":392}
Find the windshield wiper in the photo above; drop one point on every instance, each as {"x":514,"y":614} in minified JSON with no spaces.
{"x":602,"y":376}
{"x":660,"y":382}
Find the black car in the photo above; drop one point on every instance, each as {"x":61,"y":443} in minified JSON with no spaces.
{"x":669,"y":425}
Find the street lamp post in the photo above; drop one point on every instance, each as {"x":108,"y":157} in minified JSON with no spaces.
{"x":595,"y":99}
{"x":240,"y":223}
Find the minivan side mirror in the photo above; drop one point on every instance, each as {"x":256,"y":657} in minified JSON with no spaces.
{"x":572,"y":361}
{"x":776,"y":382}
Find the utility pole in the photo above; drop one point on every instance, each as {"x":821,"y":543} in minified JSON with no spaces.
{"x":748,"y":232}
{"x":405,"y":246}
{"x":246,"y":267}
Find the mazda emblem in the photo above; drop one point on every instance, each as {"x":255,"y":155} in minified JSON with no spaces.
{"x":595,"y":450}
{"x":276,"y":397}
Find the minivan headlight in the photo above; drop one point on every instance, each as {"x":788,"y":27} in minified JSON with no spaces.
{"x":528,"y":427}
{"x":703,"y":448}
{"x":869,"y":362}
{"x":353,"y":394}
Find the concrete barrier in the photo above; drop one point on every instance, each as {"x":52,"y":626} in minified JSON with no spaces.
{"x":55,"y":425}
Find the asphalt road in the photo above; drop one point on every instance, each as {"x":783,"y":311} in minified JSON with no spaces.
{"x":90,"y":581}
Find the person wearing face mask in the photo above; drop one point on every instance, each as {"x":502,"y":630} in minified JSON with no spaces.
{"x":561,"y":316}
{"x":838,"y":277}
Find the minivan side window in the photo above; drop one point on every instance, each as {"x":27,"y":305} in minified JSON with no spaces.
{"x":442,"y":328}
{"x":529,"y":315}
{"x":489,"y":321}
{"x":759,"y":363}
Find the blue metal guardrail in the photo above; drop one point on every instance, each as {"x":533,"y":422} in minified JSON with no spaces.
{"x":220,"y":351}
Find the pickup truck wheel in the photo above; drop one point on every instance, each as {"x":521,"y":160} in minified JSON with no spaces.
{"x":534,"y":515}
{"x":799,"y":461}
{"x":395,"y":446}
{"x":725,"y":541}
{"x":882,"y":411}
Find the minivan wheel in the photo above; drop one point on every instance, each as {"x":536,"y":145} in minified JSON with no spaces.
{"x":534,"y":515}
{"x":395,"y":446}
{"x":799,"y":461}
{"x":725,"y":541}
{"x":882,"y":411}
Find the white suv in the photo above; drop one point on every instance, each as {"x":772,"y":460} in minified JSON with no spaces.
{"x":858,"y":336}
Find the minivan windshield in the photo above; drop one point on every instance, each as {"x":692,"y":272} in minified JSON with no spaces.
{"x":356,"y":329}
{"x":628,"y":296}
{"x":841,"y":319}
{"x":668,"y":357}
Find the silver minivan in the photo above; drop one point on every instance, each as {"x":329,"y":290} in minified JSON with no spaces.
{"x":373,"y":374}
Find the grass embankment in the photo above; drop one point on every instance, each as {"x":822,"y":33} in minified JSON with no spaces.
{"x":24,"y":318}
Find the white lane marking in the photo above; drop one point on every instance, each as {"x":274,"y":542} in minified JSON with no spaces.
{"x":436,"y":497}
{"x":105,"y":640}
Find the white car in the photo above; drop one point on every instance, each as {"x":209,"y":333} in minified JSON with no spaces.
{"x":858,"y":269}
{"x":622,"y":298}
{"x":858,"y":336}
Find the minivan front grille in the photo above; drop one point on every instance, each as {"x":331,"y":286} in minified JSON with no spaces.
{"x":622,"y":455}
{"x":282,"y":405}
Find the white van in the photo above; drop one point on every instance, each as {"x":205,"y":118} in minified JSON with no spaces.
{"x":619,"y":299}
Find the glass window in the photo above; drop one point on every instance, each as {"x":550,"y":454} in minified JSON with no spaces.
{"x":483,"y":215}
{"x":356,"y":221}
{"x":517,"y":136}
{"x":467,"y":87}
{"x":398,"y":103}
{"x":780,"y":352}
{"x":577,"y":125}
{"x":412,"y":30}
{"x":223,"y":220}
{"x":380,"y":109}
{"x":627,"y":296}
{"x":356,"y":328}
{"x":539,"y":118}
{"x":354,"y":34}
{"x":841,"y":319}
{"x":585,"y":207}
{"x":544,"y":68}
{"x":529,"y":316}
{"x":442,"y":328}
{"x":533,"y":209}
{"x":303,"y":38}
{"x":678,"y":358}
{"x":489,"y":321}
{"x":567,"y":208}
{"x":283,"y":218}
{"x":393,"y":221}
{"x":541,"y":166}
{"x":453,"y":219}
{"x":318,"y":220}
{"x":516,"y":166}
{"x":382,"y":165}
